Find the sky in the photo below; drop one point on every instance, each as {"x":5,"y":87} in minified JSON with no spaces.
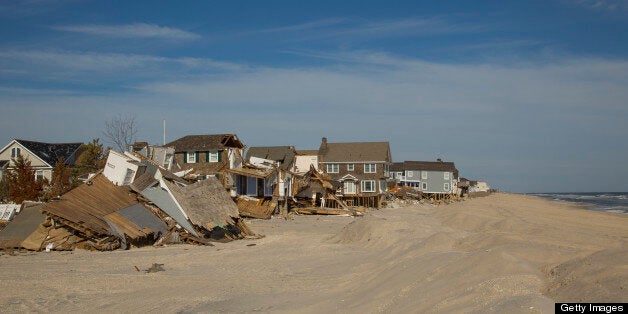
{"x":531,"y":96}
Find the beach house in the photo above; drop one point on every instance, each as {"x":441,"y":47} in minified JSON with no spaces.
{"x":361,"y":168}
{"x":43,"y":156}
{"x":207,"y":155}
{"x":429,"y":177}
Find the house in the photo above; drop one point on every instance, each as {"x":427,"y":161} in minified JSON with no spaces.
{"x":207,"y":155}
{"x":280,"y":158}
{"x":429,"y":177}
{"x":361,"y":167}
{"x":304,"y":159}
{"x":43,"y":156}
{"x":122,"y":168}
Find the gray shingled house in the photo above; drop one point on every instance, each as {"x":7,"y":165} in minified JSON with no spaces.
{"x":431,"y":177}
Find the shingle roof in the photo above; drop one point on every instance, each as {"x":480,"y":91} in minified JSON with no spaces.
{"x":397,"y":166}
{"x":283,"y":154}
{"x":355,"y":151}
{"x":428,"y":166}
{"x":205,"y":142}
{"x":51,"y":152}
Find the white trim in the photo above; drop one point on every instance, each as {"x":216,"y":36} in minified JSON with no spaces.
{"x":347,"y":184}
{"x":348,"y":177}
{"x":424,"y":175}
{"x":409,"y":174}
{"x":211,"y":153}
{"x":445,"y":175}
{"x":446,"y":186}
{"x":369,"y":164}
{"x":352,"y":167}
{"x":332,"y":168}
{"x":423,"y":186}
{"x":362,"y":186}
{"x":187,"y":157}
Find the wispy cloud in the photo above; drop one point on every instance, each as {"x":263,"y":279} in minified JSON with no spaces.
{"x":607,"y":5}
{"x":137,"y":30}
{"x":92,"y":66}
{"x":354,"y":29}
{"x":324,"y":23}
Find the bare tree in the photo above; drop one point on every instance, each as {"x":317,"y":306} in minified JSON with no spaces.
{"x":121,"y":130}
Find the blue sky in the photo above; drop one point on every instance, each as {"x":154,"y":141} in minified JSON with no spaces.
{"x":529,"y":95}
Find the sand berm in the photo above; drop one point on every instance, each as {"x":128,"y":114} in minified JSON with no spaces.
{"x":501,"y":253}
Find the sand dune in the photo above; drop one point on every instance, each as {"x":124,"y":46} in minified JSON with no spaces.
{"x":499,"y":253}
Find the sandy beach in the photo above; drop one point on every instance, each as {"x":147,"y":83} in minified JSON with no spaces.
{"x":501,"y":253}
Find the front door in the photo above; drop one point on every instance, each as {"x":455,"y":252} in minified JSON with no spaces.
{"x":349,"y":187}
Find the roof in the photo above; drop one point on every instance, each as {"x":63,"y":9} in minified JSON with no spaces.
{"x":355,"y":152}
{"x":51,"y":152}
{"x":3,"y":163}
{"x":428,"y":166}
{"x":283,"y":154}
{"x":133,"y":221}
{"x":85,"y":207}
{"x":307,"y":152}
{"x":206,"y":203}
{"x":205,"y":142}
{"x":396,"y":166}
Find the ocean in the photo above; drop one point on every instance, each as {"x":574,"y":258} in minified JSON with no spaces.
{"x":616,"y":202}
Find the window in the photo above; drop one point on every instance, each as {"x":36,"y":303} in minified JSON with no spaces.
{"x":369,"y":168}
{"x":368,"y":186}
{"x":410,"y":174}
{"x":423,"y":174}
{"x":400,"y":174}
{"x":446,"y":176}
{"x":332,"y":168}
{"x":15,"y":151}
{"x":191,"y":157}
{"x":167,"y":161}
{"x":39,"y":174}
{"x":350,"y":167}
{"x":349,"y":187}
{"x":424,"y":186}
{"x":446,"y":186}
{"x":212,"y":156}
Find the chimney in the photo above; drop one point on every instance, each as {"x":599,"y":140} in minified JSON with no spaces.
{"x":322,"y":150}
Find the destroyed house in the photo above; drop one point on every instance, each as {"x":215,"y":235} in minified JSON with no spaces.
{"x":272,"y":168}
{"x":360,"y":167}
{"x":43,"y":156}
{"x":206,"y":155}
{"x":430,"y":177}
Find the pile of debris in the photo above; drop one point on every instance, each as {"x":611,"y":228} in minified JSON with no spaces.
{"x":316,"y":195}
{"x":156,"y":208}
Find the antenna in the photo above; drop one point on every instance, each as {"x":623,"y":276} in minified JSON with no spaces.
{"x":164,"y":132}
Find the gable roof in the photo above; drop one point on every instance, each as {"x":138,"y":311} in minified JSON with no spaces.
{"x":355,"y":151}
{"x":50,"y":152}
{"x":205,"y":142}
{"x":283,"y":154}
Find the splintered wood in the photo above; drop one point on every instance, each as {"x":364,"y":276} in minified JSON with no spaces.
{"x":261,"y":209}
